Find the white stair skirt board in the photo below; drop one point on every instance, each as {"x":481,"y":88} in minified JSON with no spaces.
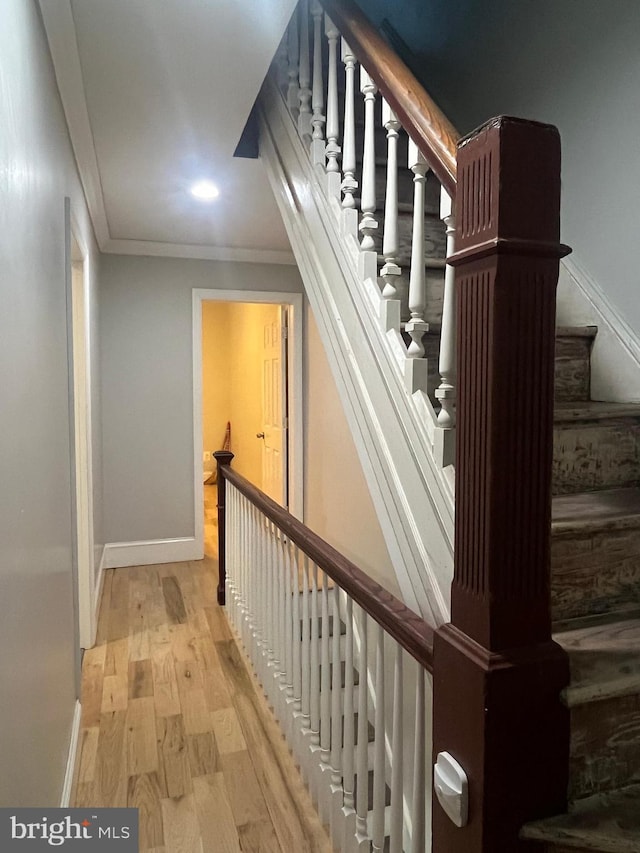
{"x":392,"y":429}
{"x":615,"y":359}
{"x":117,"y":555}
{"x":71,"y":757}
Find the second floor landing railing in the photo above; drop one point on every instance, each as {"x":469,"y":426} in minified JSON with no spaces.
{"x":344,"y":664}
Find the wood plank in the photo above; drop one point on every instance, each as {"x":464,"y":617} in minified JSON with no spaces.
{"x":204,"y":759}
{"x":246,"y":798}
{"x":102,"y":629}
{"x":165,"y":685}
{"x":214,"y":815}
{"x":144,"y":793}
{"x":117,"y":657}
{"x":92,"y":675}
{"x":218,"y":625}
{"x":258,"y":838}
{"x":88,"y":752}
{"x":140,"y":679}
{"x":142,"y":747}
{"x":115,"y":694}
{"x":181,"y":827}
{"x":110,"y":761}
{"x":227,"y":730}
{"x":174,"y":756}
{"x":174,"y":601}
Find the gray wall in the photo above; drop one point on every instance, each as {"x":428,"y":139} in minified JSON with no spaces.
{"x":37,"y":171}
{"x":574,"y":63}
{"x":147,"y":385}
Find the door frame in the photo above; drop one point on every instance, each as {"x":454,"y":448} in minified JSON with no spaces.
{"x":79,"y":354}
{"x":295,"y":446}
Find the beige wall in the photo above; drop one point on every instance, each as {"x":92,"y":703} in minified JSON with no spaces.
{"x":338,"y":505}
{"x":232,"y":344}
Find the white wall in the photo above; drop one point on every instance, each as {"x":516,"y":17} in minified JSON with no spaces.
{"x":147,"y":399}
{"x":573,"y":63}
{"x":337,"y":502}
{"x":37,"y":171}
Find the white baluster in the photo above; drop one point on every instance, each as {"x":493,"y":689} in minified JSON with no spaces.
{"x":314,"y":704}
{"x":282,"y":610}
{"x":305,"y":701}
{"x":333,"y":123}
{"x":288,"y":636}
{"x":418,"y":822}
{"x":304,"y":116}
{"x":336,"y":714}
{"x":293,"y":55}
{"x":349,"y":183}
{"x":416,"y":365}
{"x":348,"y":751}
{"x":397,"y":746}
{"x":446,"y":393}
{"x":368,"y":222}
{"x":325,"y":698}
{"x":379,"y":781}
{"x":317,"y":100}
{"x":362,"y":756}
{"x":390,"y":272}
{"x":295,"y":633}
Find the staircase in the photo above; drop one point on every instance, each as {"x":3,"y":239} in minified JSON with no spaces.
{"x":394,"y":410}
{"x":595,"y":559}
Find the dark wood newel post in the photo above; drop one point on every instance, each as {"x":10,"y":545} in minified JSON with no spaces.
{"x":223,"y":458}
{"x":497,"y":673}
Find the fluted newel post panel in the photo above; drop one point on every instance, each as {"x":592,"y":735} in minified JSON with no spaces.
{"x":497,"y":673}
{"x":223,"y":459}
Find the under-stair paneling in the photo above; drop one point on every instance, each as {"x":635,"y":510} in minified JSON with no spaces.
{"x":393,"y":431}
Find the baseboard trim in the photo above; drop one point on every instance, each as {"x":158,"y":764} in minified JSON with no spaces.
{"x":117,"y":555}
{"x":67,"y":786}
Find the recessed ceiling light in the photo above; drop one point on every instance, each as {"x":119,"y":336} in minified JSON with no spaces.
{"x":205,"y":190}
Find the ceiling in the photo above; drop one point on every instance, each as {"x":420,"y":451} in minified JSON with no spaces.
{"x":156,"y":95}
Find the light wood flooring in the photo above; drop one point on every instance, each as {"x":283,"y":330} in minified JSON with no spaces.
{"x":174,"y":724}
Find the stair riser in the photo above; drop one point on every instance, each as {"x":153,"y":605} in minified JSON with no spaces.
{"x":595,"y":573}
{"x":572,"y":374}
{"x":595,"y":455}
{"x":605,"y":746}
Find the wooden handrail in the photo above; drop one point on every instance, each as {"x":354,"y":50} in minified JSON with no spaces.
{"x":423,"y":120}
{"x":399,"y":621}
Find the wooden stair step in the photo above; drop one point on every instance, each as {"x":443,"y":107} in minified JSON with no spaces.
{"x":573,"y":362}
{"x":596,"y":446}
{"x":604,"y":702}
{"x":608,"y":823}
{"x":595,"y":553}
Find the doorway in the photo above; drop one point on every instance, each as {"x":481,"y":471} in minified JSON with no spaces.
{"x":256,"y":339}
{"x":78,"y":312}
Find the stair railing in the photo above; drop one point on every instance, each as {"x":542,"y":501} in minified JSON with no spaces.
{"x":339,"y":658}
{"x":431,"y":146}
{"x":497,"y":674}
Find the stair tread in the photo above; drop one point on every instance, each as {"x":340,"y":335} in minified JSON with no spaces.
{"x":604,"y":660}
{"x":609,"y":823}
{"x":593,"y":410}
{"x":576,"y":331}
{"x":612,"y":509}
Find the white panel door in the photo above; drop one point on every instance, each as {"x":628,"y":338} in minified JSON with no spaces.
{"x":274,"y":408}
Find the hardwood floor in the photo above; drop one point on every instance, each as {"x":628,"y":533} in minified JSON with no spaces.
{"x":174,"y":724}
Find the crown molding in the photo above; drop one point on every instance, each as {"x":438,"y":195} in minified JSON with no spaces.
{"x":198,"y":251}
